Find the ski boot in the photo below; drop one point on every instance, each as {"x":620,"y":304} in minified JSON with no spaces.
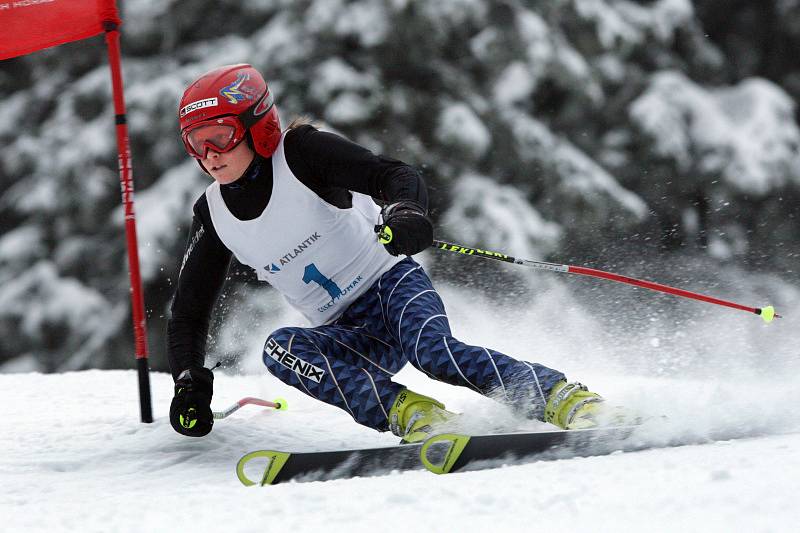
{"x":413,"y":417}
{"x":573,"y":406}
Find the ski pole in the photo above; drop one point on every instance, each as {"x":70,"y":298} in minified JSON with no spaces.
{"x":767,"y":313}
{"x":279,"y":404}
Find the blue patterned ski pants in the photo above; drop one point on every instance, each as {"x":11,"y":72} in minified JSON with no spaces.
{"x":400,"y":319}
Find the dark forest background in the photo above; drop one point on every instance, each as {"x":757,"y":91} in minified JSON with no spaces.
{"x":658,"y":138}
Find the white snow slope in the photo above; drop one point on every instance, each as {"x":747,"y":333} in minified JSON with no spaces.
{"x":76,"y":458}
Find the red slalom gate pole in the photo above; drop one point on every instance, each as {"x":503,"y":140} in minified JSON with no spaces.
{"x":126,"y":183}
{"x":766,"y":313}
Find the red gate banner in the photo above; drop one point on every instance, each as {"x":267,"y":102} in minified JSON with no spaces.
{"x":30,"y":25}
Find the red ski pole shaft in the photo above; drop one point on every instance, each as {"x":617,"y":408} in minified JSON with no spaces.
{"x":767,"y":313}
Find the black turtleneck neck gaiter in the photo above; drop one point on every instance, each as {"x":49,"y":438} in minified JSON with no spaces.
{"x":247,"y":197}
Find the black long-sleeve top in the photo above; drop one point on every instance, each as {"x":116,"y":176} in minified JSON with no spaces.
{"x":326,"y":163}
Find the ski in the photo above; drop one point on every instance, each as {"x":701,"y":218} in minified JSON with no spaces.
{"x":450,"y":452}
{"x":274,"y":467}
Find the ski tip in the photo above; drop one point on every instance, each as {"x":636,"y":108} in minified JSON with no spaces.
{"x":768,"y":313}
{"x":282,"y":404}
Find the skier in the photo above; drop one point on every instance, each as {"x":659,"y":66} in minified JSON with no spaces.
{"x":299,"y":208}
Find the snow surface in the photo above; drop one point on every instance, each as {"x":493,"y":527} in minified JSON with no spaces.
{"x":76,"y":458}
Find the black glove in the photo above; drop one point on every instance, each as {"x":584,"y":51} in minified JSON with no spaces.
{"x":405,"y":230}
{"x":190,"y":410}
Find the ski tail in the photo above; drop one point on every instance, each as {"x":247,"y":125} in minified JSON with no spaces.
{"x":450,"y":447}
{"x":275,"y":463}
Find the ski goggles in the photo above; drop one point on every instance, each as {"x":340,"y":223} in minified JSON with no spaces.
{"x":220,"y":134}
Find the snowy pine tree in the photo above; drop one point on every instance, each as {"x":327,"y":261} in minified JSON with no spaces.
{"x":574,"y":130}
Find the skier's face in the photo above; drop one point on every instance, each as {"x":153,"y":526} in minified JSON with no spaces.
{"x":229,"y":166}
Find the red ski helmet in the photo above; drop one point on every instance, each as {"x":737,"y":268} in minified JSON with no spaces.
{"x":238,"y":91}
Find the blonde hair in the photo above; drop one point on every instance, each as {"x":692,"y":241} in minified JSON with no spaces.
{"x":302,"y":120}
